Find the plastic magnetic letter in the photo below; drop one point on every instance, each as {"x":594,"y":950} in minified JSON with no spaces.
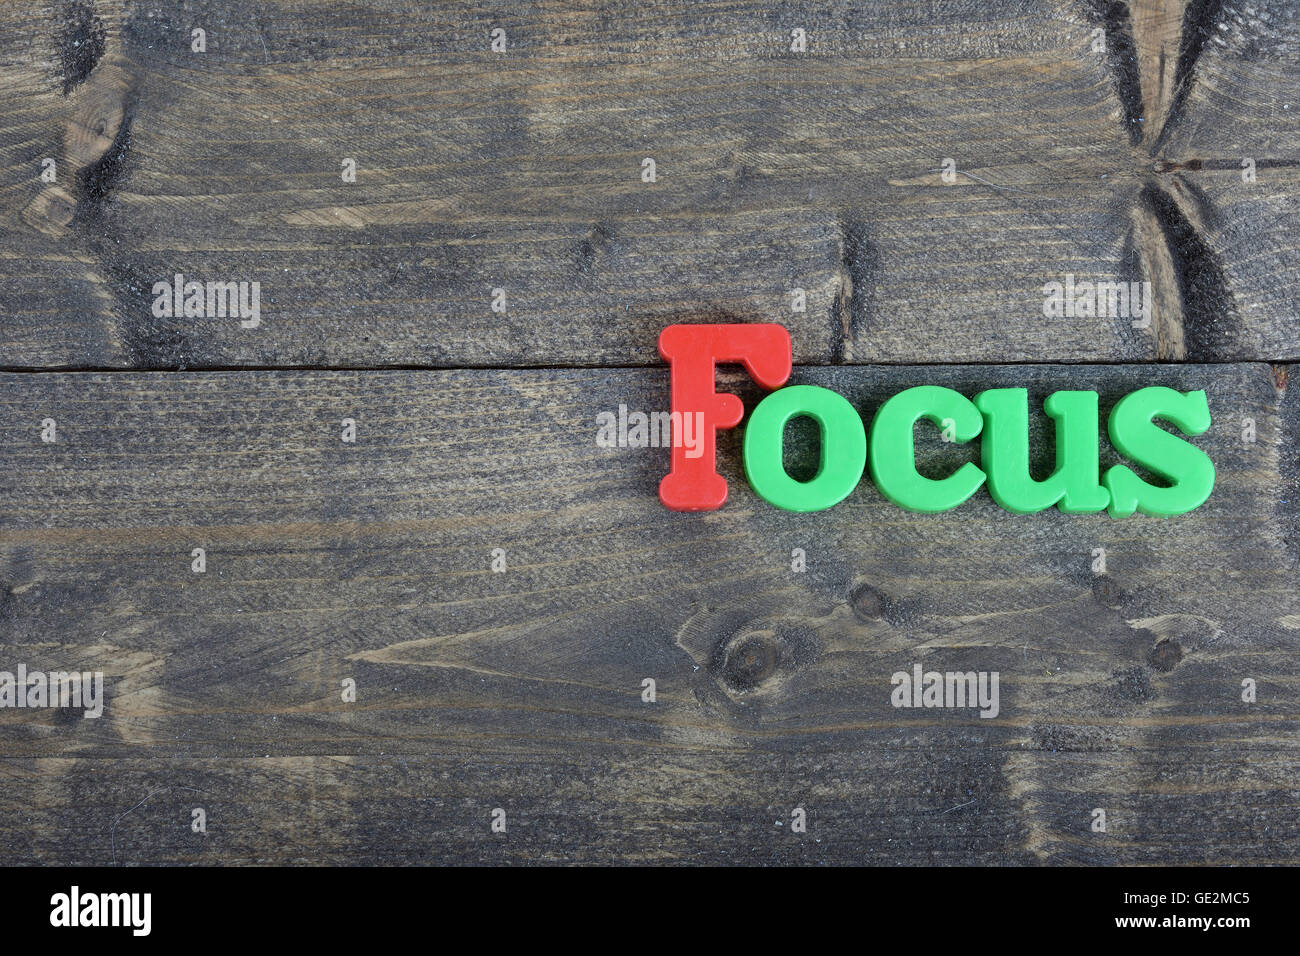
{"x":1076,"y":482}
{"x":843,"y":441}
{"x":893,"y":452}
{"x":693,"y":351}
{"x":1142,"y":441}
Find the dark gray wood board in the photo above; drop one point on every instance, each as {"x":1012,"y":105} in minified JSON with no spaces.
{"x":521,"y":690}
{"x":1090,"y":138}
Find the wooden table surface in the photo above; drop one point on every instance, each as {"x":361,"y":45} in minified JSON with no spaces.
{"x":919,"y":170}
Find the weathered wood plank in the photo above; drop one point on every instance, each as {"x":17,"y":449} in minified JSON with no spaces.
{"x":521,"y":170}
{"x":521,"y":689}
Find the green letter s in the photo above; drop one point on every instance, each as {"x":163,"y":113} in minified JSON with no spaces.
{"x":1139,"y":439}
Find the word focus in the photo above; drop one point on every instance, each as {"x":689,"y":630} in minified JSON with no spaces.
{"x":999,"y":417}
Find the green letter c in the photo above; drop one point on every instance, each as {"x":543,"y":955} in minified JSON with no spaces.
{"x":893,"y":453}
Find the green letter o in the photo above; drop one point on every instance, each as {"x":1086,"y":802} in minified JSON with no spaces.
{"x":843,"y":453}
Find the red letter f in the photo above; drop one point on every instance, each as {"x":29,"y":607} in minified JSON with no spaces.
{"x":694,"y":484}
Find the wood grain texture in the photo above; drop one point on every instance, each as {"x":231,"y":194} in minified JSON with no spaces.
{"x":521,"y":689}
{"x":1103,"y":139}
{"x":521,"y":170}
